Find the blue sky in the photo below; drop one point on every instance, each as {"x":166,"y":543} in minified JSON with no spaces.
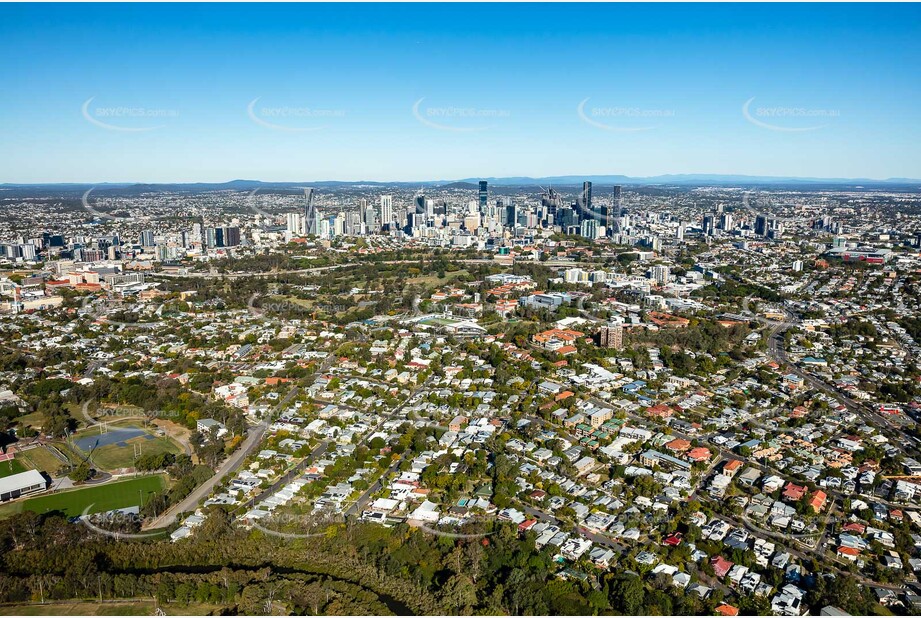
{"x":158,"y":93}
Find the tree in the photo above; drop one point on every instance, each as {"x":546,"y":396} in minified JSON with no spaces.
{"x":459,"y":593}
{"x":81,"y":473}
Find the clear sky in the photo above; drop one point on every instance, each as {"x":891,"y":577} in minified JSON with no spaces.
{"x":158,"y":93}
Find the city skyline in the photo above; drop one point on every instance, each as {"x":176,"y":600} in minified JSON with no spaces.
{"x":399,"y":93}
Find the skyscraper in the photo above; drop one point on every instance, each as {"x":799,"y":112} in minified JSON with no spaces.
{"x":362,"y":209}
{"x":586,"y":201}
{"x":483,"y":195}
{"x":231,"y":236}
{"x":590,"y":229}
{"x":761,"y":225}
{"x":386,"y":211}
{"x":295,"y":223}
{"x":618,"y":201}
{"x":709,"y":225}
{"x":311,"y":214}
{"x":147,"y":238}
{"x":369,"y":220}
{"x":511,"y":214}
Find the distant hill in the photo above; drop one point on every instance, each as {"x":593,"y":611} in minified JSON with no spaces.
{"x":685,"y":180}
{"x":691,"y":179}
{"x":460,"y":185}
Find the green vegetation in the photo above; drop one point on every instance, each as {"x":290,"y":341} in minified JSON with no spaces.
{"x":113,"y":456}
{"x":100,"y":498}
{"x":40,"y":458}
{"x":13,"y":466}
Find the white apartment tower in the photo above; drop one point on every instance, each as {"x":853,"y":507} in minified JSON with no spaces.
{"x":386,"y":210}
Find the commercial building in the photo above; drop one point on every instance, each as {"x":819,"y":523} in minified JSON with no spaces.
{"x":16,"y":485}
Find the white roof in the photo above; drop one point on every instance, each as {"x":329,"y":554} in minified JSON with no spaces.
{"x":14,"y":482}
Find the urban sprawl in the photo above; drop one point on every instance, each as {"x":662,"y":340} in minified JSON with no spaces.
{"x":570,"y":399}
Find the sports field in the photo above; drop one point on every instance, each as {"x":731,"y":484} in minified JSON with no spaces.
{"x":10,"y":467}
{"x":118,"y":446}
{"x":40,"y":458}
{"x":104,"y":497}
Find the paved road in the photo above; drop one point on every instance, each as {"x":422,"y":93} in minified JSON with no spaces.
{"x":291,"y":474}
{"x":885,"y":425}
{"x":319,"y":269}
{"x":377,"y":485}
{"x":230,"y":464}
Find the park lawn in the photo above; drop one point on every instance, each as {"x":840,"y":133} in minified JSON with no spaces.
{"x":76,"y":411}
{"x":100,"y":498}
{"x":40,"y":458}
{"x":432,"y":279}
{"x":307,"y":303}
{"x":11,"y":467}
{"x":113,"y":456}
{"x":33,"y":420}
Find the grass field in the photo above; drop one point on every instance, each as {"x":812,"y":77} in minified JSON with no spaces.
{"x":13,"y":466}
{"x":102,"y":497}
{"x":113,"y":456}
{"x":34,"y":420}
{"x":40,"y":458}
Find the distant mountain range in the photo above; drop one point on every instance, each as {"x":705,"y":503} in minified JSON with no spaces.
{"x":688,"y":179}
{"x":684,"y":180}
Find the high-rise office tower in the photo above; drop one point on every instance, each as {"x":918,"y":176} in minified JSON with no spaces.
{"x":311,"y":214}
{"x":227,"y":236}
{"x":726,"y":222}
{"x":386,"y":211}
{"x":369,"y":221}
{"x":586,"y":200}
{"x":511,"y":214}
{"x":483,"y":195}
{"x":709,"y":225}
{"x":617,"y":201}
{"x":761,"y":225}
{"x":566,"y":217}
{"x":147,"y":238}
